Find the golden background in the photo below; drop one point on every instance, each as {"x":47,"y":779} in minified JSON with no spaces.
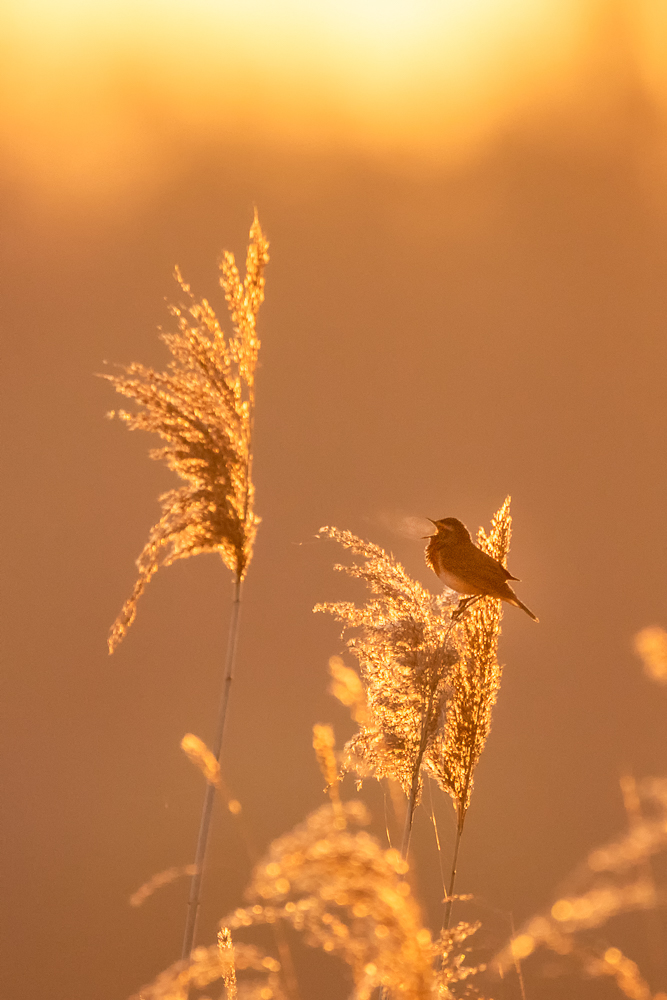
{"x":466,"y":298}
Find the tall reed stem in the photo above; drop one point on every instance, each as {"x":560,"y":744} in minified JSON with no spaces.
{"x":414,"y":789}
{"x":463,"y":809}
{"x":412,"y":800}
{"x":452,"y":878}
{"x":205,"y":824}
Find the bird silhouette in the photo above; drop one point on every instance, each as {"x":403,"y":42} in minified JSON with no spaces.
{"x":463,"y":567}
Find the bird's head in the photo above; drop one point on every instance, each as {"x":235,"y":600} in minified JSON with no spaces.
{"x":450,"y":531}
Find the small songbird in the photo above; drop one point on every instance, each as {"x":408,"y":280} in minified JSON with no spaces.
{"x":454,"y":557}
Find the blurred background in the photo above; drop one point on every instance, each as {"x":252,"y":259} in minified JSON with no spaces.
{"x":467,"y":210}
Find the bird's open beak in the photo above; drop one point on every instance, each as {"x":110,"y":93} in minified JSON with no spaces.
{"x":432,"y":522}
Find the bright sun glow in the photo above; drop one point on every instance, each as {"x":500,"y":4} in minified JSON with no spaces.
{"x":86,"y":86}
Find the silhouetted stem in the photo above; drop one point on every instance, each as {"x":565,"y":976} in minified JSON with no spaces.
{"x":414,"y":789}
{"x":452,"y":878}
{"x":463,"y":809}
{"x":205,"y":824}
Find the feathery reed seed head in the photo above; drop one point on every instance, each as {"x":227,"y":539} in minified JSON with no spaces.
{"x":348,"y":896}
{"x":324,"y":745}
{"x":404,"y":657}
{"x":348,"y":689}
{"x":226,"y":947}
{"x":157,"y":881}
{"x":209,"y":965}
{"x":203,"y":408}
{"x":651,"y":645}
{"x":430,"y":680}
{"x":203,"y":758}
{"x":614,"y":879}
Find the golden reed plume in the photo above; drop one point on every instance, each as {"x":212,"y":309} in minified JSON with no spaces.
{"x":213,"y":964}
{"x":203,"y":408}
{"x":430,"y":674}
{"x":615,"y":878}
{"x":405,"y":662}
{"x":415,"y":657}
{"x":651,"y":645}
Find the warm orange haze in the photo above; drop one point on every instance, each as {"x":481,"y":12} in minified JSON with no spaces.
{"x":98,"y":99}
{"x":465,"y":300}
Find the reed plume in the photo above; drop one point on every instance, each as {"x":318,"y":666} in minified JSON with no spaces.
{"x":615,"y":878}
{"x":348,"y":896}
{"x":651,"y":646}
{"x":405,"y":662}
{"x":225,"y":944}
{"x":214,"y":964}
{"x":203,"y":408}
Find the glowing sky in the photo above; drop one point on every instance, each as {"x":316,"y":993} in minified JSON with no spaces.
{"x":91,"y":90}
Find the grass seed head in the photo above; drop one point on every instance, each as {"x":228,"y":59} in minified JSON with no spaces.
{"x":202,"y":407}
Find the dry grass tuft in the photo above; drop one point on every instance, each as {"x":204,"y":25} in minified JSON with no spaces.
{"x":202,"y":407}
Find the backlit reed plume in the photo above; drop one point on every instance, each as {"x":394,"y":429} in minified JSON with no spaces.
{"x":405,"y":661}
{"x":203,"y":409}
{"x":225,"y":944}
{"x":651,"y":645}
{"x":616,"y":878}
{"x":215,"y":964}
{"x":348,"y":896}
{"x":430,"y":679}
{"x":158,"y":881}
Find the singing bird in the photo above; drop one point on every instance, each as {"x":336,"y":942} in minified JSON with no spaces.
{"x":454,"y":557}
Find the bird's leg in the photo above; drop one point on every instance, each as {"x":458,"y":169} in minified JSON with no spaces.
{"x":460,"y":607}
{"x":464,"y":604}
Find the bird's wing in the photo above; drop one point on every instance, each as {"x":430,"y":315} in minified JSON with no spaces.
{"x":470,"y":563}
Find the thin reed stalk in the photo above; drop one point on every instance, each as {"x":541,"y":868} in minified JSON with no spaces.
{"x":452,"y":878}
{"x":416,"y":779}
{"x":462,"y":812}
{"x":194,"y":901}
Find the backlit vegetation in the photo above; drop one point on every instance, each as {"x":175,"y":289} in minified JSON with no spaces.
{"x":203,"y":408}
{"x":422,"y":699}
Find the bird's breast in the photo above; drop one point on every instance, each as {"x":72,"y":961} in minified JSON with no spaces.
{"x":456,"y":583}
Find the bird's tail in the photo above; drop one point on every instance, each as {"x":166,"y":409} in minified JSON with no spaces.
{"x":519,"y":604}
